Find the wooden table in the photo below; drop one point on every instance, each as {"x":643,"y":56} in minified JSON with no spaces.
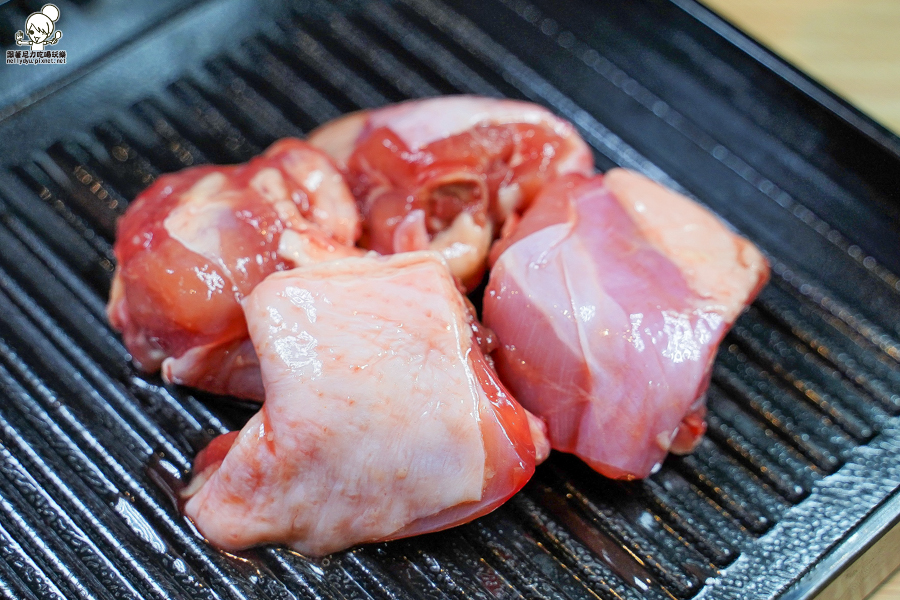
{"x":852,"y":47}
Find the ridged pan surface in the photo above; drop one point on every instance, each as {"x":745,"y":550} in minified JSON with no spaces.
{"x":803,"y":428}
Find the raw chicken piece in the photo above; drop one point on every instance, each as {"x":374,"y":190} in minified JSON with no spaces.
{"x":608,"y":301}
{"x":445,"y":173}
{"x":382,"y":419}
{"x":195,"y":243}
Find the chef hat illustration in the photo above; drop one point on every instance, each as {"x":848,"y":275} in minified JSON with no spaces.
{"x":39,"y":25}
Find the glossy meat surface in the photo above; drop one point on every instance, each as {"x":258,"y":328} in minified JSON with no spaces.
{"x":445,"y":173}
{"x":608,"y":300}
{"x":195,"y":243}
{"x":382,"y":418}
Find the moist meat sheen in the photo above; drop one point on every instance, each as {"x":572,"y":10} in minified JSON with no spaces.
{"x":446,"y":173}
{"x":608,"y":301}
{"x":382,"y":419}
{"x":195,"y":243}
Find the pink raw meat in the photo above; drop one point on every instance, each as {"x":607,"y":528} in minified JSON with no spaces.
{"x":608,"y":300}
{"x":193,"y":244}
{"x":445,"y":173}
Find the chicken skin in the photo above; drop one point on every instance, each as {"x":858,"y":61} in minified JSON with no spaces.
{"x":382,"y":419}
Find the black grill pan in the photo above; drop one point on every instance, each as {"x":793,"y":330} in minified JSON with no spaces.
{"x":799,"y":471}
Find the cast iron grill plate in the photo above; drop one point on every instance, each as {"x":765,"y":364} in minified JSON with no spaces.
{"x":803,"y":427}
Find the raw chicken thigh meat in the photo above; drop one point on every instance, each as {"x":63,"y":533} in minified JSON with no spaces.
{"x":445,"y":173}
{"x":382,"y":418}
{"x":608,"y":301}
{"x":195,"y":243}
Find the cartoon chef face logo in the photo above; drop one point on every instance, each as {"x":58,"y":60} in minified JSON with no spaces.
{"x":39,"y":27}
